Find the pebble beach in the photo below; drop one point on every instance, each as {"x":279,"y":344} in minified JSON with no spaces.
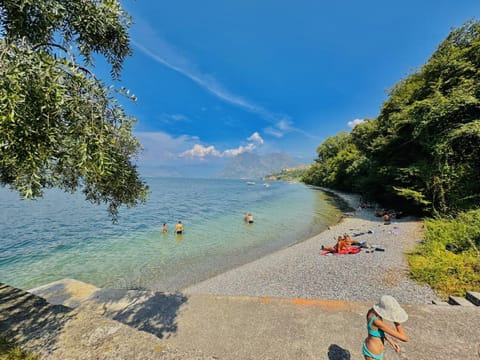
{"x":300,"y":271}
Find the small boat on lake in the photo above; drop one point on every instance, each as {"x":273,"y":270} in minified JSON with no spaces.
{"x":251,"y":183}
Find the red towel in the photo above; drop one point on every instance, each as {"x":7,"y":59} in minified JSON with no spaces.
{"x":349,"y":250}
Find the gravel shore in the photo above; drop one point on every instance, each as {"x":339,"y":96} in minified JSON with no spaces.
{"x":299,"y":271}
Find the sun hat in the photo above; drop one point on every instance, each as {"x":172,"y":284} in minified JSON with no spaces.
{"x":389,"y":309}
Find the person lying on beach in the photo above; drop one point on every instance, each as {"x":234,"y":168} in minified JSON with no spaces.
{"x":349,"y":240}
{"x":343,"y":243}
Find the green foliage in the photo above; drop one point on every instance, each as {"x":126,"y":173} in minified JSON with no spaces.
{"x":91,"y":27}
{"x":59,"y":125}
{"x":422,"y":155}
{"x":454,"y":271}
{"x":9,"y":351}
{"x":413,"y":195}
{"x":340,"y":164}
{"x":290,"y":174}
{"x":422,"y":152}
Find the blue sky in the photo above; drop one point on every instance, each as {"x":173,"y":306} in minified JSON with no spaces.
{"x":215,"y":78}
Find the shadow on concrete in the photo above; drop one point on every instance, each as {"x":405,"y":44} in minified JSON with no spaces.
{"x":156,"y":315}
{"x":26,"y":318}
{"x":336,"y":352}
{"x":152,"y":312}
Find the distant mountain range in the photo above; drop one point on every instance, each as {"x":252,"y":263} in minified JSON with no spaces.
{"x":254,"y":166}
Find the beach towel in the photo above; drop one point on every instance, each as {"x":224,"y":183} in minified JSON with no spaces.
{"x":349,"y":250}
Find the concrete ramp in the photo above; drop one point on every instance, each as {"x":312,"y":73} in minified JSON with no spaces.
{"x":67,"y":292}
{"x":235,"y":327}
{"x":57,"y":332}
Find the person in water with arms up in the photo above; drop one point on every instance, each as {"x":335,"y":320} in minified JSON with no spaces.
{"x":387,"y":309}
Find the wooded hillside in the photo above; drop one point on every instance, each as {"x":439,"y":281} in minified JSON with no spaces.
{"x":422,"y":152}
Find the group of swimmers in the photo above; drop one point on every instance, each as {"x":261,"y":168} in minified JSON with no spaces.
{"x":178,"y":228}
{"x":247,"y":217}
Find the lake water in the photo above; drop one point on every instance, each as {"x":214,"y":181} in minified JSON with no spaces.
{"x":62,"y":235}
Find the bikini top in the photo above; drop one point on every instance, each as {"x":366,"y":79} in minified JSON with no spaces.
{"x":376,"y":333}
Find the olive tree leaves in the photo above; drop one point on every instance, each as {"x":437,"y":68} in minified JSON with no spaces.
{"x":60,"y":126}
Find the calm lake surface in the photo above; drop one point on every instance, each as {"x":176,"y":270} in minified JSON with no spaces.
{"x":62,"y":235}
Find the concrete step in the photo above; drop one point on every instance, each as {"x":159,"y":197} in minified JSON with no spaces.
{"x":144,"y":310}
{"x":180,"y":326}
{"x":67,"y":292}
{"x":473,"y":297}
{"x":458,"y":300}
{"x":439,"y":302}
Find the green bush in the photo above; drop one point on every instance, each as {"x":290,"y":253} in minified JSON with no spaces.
{"x":9,"y":351}
{"x":448,"y":260}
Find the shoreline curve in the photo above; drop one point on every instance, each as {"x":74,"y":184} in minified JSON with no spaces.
{"x":299,"y":271}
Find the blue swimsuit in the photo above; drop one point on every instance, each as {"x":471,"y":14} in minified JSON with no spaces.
{"x":376,"y":333}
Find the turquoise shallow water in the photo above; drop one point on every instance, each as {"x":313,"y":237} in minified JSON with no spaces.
{"x":62,"y":235}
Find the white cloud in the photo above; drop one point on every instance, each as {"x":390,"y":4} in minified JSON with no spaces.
{"x":284,"y":124}
{"x":149,"y":42}
{"x":178,"y":117}
{"x":164,"y":53}
{"x":201,"y":152}
{"x":160,"y":147}
{"x":255,"y":137}
{"x":239,"y":150}
{"x":273,"y":132}
{"x":172,"y":118}
{"x":280,"y":128}
{"x":355,"y":122}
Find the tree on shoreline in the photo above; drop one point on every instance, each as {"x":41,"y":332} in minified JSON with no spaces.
{"x":421,"y":152}
{"x":60,"y":126}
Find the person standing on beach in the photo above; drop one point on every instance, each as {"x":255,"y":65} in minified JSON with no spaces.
{"x":388,"y":308}
{"x":250,"y":218}
{"x":164,"y":228}
{"x":179,"y":228}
